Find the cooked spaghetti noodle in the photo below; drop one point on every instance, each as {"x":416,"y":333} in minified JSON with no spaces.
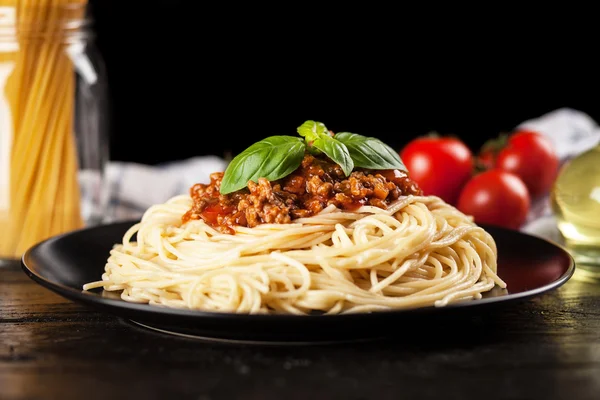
{"x":417,"y":252}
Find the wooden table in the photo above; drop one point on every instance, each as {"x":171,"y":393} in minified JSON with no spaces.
{"x":544,"y":348}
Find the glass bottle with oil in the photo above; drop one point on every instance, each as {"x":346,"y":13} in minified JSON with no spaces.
{"x":576,"y":204}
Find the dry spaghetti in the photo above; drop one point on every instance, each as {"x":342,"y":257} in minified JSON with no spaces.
{"x":39,"y":188}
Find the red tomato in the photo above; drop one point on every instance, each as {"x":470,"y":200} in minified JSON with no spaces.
{"x":496,"y":197}
{"x":439,"y":165}
{"x":532,"y":157}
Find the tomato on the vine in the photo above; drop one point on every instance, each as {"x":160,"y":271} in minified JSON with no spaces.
{"x":496,"y":197}
{"x":532,"y":157}
{"x":486,"y":159}
{"x":440,"y":165}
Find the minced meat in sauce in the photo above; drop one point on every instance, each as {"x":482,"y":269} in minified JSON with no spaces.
{"x":316,"y":183}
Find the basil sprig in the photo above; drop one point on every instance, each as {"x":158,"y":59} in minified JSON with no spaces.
{"x":319,"y":139}
{"x":278,"y":156}
{"x":369,"y":152}
{"x":271,"y":158}
{"x":311,"y":130}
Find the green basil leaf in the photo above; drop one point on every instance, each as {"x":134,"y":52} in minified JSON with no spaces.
{"x":271,"y":158}
{"x":369,"y":152}
{"x":335,"y":150}
{"x":312,"y":130}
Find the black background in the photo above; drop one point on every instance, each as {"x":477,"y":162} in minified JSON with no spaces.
{"x":185,"y":79}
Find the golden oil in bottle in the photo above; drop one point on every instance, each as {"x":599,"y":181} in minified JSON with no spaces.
{"x":576,"y":204}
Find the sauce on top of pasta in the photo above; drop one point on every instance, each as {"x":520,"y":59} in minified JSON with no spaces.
{"x":316,"y":183}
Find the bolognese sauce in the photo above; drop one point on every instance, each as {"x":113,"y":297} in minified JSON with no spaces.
{"x":316,"y":184}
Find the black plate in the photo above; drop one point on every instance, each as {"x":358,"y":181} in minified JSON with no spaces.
{"x":528,"y":264}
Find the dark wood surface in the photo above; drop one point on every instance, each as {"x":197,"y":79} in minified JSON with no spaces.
{"x":547,"y":347}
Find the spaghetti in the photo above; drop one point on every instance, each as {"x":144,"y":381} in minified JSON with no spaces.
{"x":41,"y":195}
{"x":329,"y":224}
{"x":417,"y":252}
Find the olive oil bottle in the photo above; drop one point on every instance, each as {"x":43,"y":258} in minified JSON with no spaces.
{"x":576,"y":204}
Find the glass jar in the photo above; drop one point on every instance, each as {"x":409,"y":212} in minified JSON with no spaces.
{"x":53,"y":123}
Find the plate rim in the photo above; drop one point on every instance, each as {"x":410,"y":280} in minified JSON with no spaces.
{"x":92,"y":298}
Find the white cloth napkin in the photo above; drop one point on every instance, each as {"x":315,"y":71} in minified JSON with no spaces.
{"x":135,"y":187}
